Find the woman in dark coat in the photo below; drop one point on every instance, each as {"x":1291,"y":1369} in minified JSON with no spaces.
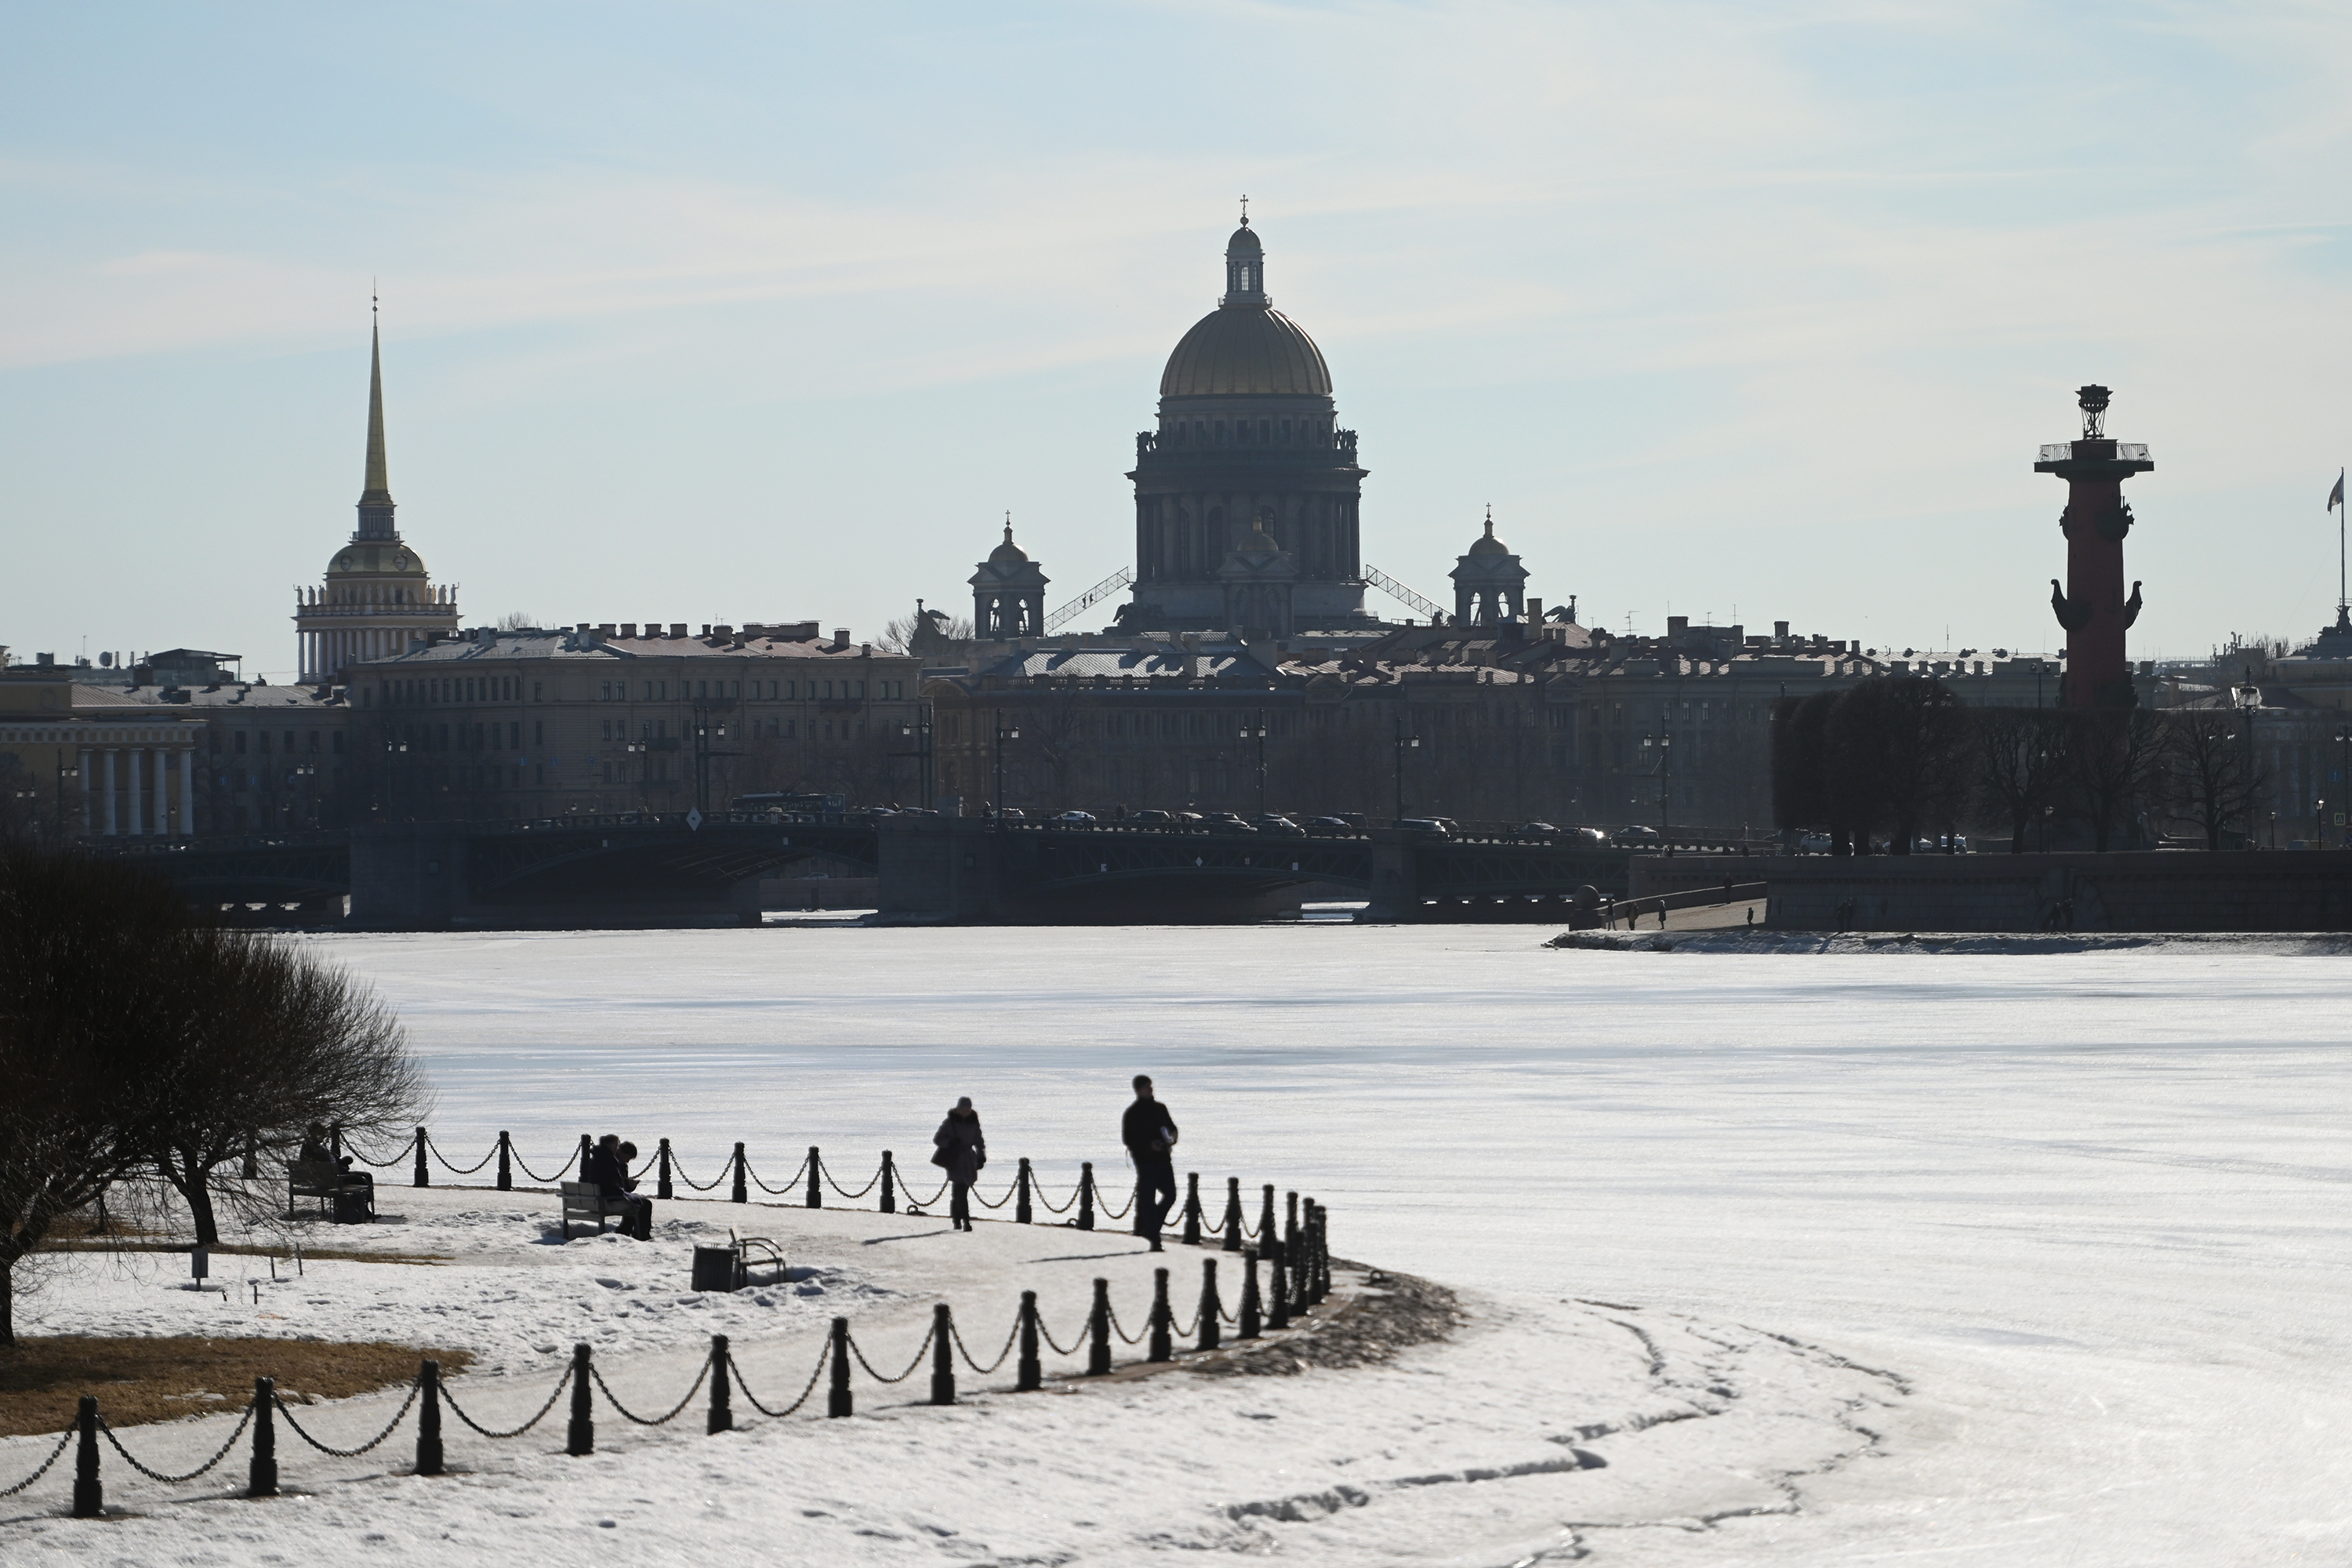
{"x":961,"y":1152}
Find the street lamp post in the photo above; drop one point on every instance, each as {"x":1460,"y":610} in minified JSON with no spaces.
{"x":393,"y":771}
{"x":2248,"y":697}
{"x":1404,"y":743}
{"x":1002,"y":735}
{"x":1663,"y":770}
{"x":2344,"y":772}
{"x":305,"y":773}
{"x":70,"y":771}
{"x":919,"y":730}
{"x":1253,"y":729}
{"x":705,"y":729}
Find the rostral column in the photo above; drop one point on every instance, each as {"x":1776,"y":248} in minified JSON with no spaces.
{"x":2092,"y":605}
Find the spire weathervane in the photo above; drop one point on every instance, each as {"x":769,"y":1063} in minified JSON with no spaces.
{"x":1245,"y":209}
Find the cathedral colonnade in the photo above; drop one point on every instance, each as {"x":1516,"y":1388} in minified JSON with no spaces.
{"x":129,"y":790}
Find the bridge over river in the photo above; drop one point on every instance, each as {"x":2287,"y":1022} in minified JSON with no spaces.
{"x":693,"y":869}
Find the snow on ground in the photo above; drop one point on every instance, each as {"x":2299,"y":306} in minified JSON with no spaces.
{"x":2087,"y":1207}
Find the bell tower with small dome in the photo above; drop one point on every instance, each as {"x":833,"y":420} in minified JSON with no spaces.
{"x":377,"y":596}
{"x":1008,"y":594}
{"x":1246,"y":451}
{"x":1489,"y":584}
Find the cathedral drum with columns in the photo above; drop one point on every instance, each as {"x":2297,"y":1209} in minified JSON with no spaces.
{"x":1246,"y":496}
{"x":377,"y":598}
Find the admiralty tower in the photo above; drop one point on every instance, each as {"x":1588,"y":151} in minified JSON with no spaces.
{"x":1246,"y":483}
{"x":377,"y":597}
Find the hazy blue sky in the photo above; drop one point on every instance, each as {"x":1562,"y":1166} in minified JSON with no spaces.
{"x":703,"y":312}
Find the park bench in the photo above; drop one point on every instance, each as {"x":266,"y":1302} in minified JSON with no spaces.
{"x":585,"y":1205}
{"x":340,"y":1198}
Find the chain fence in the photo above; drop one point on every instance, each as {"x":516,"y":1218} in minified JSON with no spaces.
{"x":719,"y":1373}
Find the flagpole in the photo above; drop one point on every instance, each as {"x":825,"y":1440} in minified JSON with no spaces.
{"x":2343,"y":511}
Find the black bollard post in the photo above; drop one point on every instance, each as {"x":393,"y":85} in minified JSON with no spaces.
{"x":1322,"y":1251}
{"x":581,"y":1437}
{"x":261,"y":1479}
{"x":722,"y":1390}
{"x":1248,"y":1327}
{"x":582,"y":1156}
{"x":1163,"y":1318}
{"x":890,"y":1184}
{"x":1277,"y":1291}
{"x":837,"y":1399}
{"x":1021,"y":1204}
{"x":506,"y":1163}
{"x":1192,"y":1208}
{"x":1032,"y":1376}
{"x":942,"y":1355}
{"x":1099,"y":1331}
{"x":428,"y":1419}
{"x":89,"y":1492}
{"x":740,"y":1195}
{"x":661,"y":1171}
{"x":1267,"y":1233}
{"x":1208,"y":1308}
{"x":1086,"y":1195}
{"x":252,"y":1169}
{"x":1233,"y":1242}
{"x":424,"y":1174}
{"x":816,"y":1179}
{"x":1294,"y":1251}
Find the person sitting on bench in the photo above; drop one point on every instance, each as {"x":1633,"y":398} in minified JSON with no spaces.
{"x":609,"y":1169}
{"x":316,"y":1153}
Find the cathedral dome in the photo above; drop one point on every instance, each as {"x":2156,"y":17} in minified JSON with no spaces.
{"x":1008,"y":554}
{"x":1486,"y":543}
{"x":1243,"y":349}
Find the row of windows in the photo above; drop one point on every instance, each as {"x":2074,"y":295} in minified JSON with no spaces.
{"x":762,"y":691}
{"x":509,"y":688}
{"x":1248,"y":433}
{"x":259,"y":741}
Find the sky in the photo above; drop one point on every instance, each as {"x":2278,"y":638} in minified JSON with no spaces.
{"x":715,"y":313}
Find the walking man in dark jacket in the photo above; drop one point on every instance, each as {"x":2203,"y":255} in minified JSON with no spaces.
{"x":1149,"y":1135}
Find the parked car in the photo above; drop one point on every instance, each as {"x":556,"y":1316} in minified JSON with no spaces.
{"x":1226,"y":822}
{"x":1545,"y":827}
{"x":1013,"y":814}
{"x":1586,"y":836}
{"x":1635,"y":834}
{"x":1328,"y":824}
{"x":1153,"y":818}
{"x":1076,"y":816}
{"x":1278,"y":824}
{"x":1814,"y":844}
{"x":1436,"y":825}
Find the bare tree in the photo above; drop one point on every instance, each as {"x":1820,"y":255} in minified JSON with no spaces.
{"x":1896,"y":747}
{"x":88,"y":1033}
{"x":2113,"y":764}
{"x":517,"y":621}
{"x":2020,"y":757}
{"x":276,"y":1040}
{"x":2212,"y":775}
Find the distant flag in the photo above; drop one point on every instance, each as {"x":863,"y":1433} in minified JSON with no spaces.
{"x":2336,"y":496}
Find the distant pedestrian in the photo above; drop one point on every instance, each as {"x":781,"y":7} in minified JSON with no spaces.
{"x":609,"y":1169}
{"x":958,"y":1149}
{"x":1149,"y":1135}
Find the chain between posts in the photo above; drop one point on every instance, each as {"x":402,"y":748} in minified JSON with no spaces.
{"x":1002,"y":1200}
{"x":64,"y":1439}
{"x":807,"y":1389}
{"x":560,"y":1385}
{"x":525,"y":1166}
{"x":406,"y":1149}
{"x":606,"y":1389}
{"x":861,"y":1192}
{"x":459,"y":1170}
{"x":790,"y":1181}
{"x":220,"y":1453}
{"x":394,"y":1425}
{"x":698,"y":1187}
{"x":921,"y":1351}
{"x":973,"y":1361}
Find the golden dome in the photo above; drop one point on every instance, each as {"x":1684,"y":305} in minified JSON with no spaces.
{"x":1244,"y":349}
{"x":373,"y":558}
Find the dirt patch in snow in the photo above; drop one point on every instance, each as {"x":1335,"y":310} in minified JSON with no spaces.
{"x":1383,"y":1315}
{"x":139,"y":1378}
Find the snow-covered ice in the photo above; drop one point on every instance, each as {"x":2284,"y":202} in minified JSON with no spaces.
{"x":1979,"y":1257}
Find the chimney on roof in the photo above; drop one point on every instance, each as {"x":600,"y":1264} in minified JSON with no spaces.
{"x":1780,"y":631}
{"x":677,"y":628}
{"x":1534,"y":611}
{"x":628,"y":631}
{"x":841,"y":637}
{"x":1676,"y":626}
{"x":723,"y":634}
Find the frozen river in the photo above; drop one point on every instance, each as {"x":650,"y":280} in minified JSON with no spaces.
{"x":2091,"y":1206}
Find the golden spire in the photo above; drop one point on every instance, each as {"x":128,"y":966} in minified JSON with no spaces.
{"x":377,"y":490}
